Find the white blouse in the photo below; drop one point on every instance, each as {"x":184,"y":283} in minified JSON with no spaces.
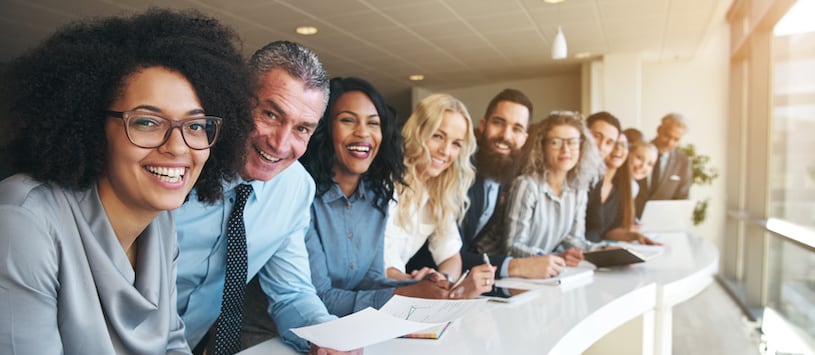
{"x":402,"y":242}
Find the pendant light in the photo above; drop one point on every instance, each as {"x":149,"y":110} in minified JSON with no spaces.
{"x":559,"y":48}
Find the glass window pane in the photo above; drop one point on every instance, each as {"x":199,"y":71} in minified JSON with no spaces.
{"x":792,"y":173}
{"x":791,"y":278}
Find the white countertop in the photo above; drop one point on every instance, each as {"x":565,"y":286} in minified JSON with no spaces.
{"x":569,"y":321}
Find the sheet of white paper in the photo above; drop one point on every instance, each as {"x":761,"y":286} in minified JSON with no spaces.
{"x":647,"y":251}
{"x":358,"y":330}
{"x":429,"y":310}
{"x":569,"y":275}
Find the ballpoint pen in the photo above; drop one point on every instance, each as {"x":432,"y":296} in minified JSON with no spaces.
{"x":460,"y":280}
{"x":487,"y":260}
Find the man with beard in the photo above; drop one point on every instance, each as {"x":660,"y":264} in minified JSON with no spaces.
{"x":500,"y":135}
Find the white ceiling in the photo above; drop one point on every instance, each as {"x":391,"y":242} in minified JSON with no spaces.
{"x":452,"y":42}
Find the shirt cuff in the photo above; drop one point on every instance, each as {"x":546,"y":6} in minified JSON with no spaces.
{"x":504,"y":272}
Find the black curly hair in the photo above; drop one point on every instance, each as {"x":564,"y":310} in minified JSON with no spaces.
{"x":387,"y":166}
{"x":59,"y":91}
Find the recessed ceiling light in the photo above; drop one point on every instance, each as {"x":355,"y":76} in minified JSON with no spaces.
{"x":416,"y":77}
{"x":582,"y":55}
{"x":306,"y":30}
{"x":553,"y":1}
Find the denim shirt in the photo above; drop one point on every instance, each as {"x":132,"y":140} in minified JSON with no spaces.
{"x":346,"y":251}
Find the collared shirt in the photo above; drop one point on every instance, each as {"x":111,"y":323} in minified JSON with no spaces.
{"x":276,"y":218}
{"x":491,"y":188}
{"x":345,"y":248}
{"x":401,"y":242}
{"x":538,"y":221}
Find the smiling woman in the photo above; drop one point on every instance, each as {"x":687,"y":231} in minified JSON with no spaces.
{"x":439,"y":142}
{"x":114,"y":122}
{"x":546,"y":205}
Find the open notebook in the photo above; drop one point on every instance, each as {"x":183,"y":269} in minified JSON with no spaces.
{"x":440,"y":312}
{"x":578,"y":275}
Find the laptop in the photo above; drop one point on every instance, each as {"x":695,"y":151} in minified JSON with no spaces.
{"x":667,"y":216}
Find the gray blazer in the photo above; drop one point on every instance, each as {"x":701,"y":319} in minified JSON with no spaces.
{"x":673,"y":183}
{"x":67,"y":286}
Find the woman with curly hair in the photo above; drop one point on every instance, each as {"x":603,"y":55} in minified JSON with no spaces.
{"x":355,"y":157}
{"x":439,"y":142}
{"x":546,"y":204}
{"x":88,"y":241}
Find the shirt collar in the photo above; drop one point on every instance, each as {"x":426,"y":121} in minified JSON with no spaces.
{"x":335,"y":193}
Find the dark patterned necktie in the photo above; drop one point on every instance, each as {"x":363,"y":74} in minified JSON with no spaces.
{"x":227,"y":334}
{"x":655,"y":173}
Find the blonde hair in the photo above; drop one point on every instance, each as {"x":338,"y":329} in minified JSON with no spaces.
{"x":447,"y":192}
{"x":635,"y":146}
{"x":589,"y":167}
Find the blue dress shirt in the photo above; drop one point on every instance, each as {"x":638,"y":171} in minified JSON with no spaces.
{"x":276,"y":218}
{"x":346,"y":251}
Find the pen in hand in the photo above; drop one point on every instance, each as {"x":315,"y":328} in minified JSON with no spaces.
{"x":460,"y":280}
{"x":487,"y":260}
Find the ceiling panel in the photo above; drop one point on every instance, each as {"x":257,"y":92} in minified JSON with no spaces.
{"x":500,"y":23}
{"x":411,"y":13}
{"x":456,"y":42}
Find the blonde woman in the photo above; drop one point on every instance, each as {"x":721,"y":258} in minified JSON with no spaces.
{"x":642,"y":156}
{"x":439,"y":141}
{"x":546,"y":205}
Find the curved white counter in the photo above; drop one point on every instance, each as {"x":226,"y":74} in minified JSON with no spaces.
{"x":622,"y":311}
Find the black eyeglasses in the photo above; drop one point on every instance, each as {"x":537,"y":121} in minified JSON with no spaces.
{"x":558,"y":143}
{"x":149,"y":130}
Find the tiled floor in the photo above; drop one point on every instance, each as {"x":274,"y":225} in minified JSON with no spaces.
{"x":712,"y":323}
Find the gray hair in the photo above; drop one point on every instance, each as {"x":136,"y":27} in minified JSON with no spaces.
{"x":297,"y":60}
{"x":674,"y":119}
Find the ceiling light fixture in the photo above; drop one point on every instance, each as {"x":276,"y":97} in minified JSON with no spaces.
{"x":416,"y":77}
{"x":559,"y":48}
{"x":306,"y":30}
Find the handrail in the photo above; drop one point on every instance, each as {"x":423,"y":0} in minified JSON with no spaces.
{"x":796,"y":233}
{"x":801,"y":235}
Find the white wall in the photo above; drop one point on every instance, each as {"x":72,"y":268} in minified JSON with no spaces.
{"x":561,"y":92}
{"x":699,"y":90}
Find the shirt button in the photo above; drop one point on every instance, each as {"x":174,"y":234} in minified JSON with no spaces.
{"x":350,"y":235}
{"x":347,"y":206}
{"x":353,"y":266}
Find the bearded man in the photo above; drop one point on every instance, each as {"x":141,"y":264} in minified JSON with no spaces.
{"x":500,"y":135}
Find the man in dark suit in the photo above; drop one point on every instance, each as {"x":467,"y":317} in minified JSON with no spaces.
{"x":672,"y":174}
{"x":500,"y":135}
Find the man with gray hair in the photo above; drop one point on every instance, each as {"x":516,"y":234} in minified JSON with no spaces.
{"x":672,"y":174}
{"x":223,"y":247}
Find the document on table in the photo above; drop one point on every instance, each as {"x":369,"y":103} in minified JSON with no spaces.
{"x":429,"y":311}
{"x":358,"y":330}
{"x":647,"y":251}
{"x":570,"y":275}
{"x":400,"y":316}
